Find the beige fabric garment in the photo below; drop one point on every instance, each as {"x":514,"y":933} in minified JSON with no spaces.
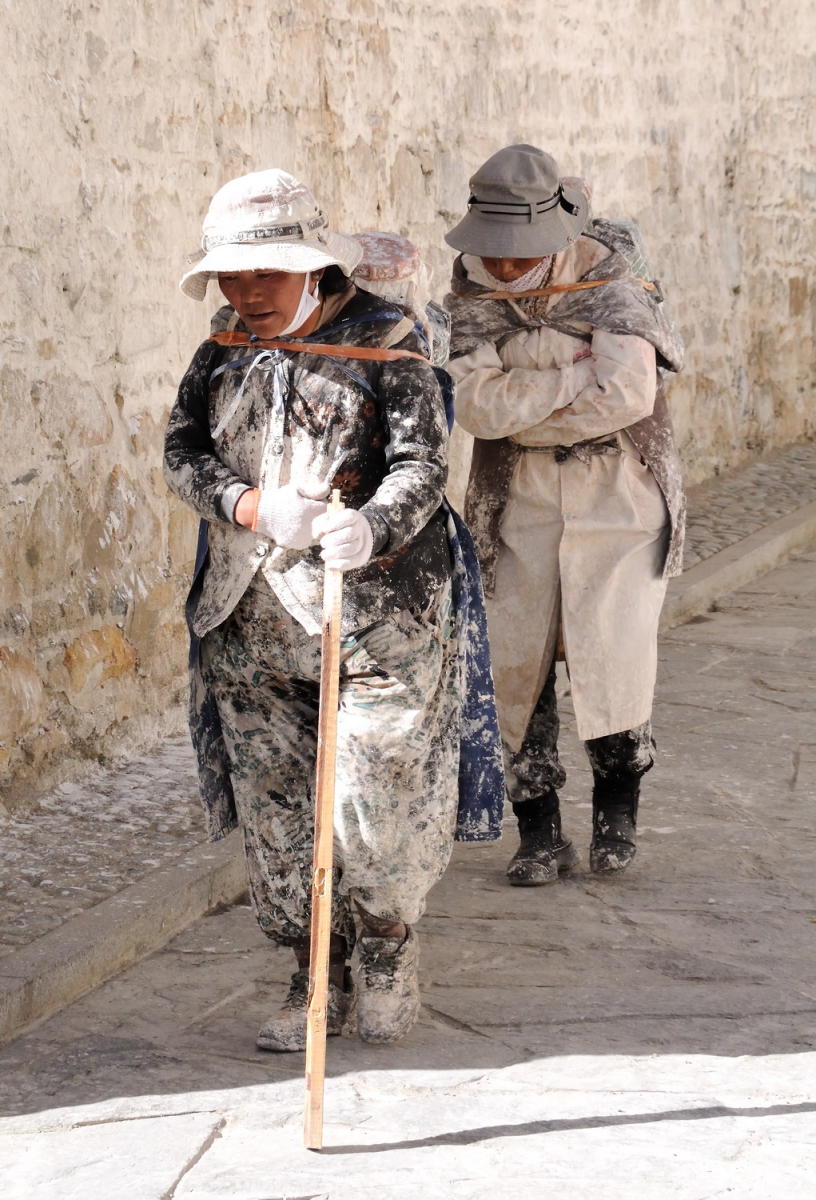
{"x":580,"y":541}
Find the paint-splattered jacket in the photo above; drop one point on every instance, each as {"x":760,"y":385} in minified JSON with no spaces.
{"x":375,"y":430}
{"x":394,"y":480}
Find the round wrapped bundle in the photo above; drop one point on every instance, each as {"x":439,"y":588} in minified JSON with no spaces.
{"x":386,"y":257}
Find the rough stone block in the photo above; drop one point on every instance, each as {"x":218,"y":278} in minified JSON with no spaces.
{"x":98,"y":655}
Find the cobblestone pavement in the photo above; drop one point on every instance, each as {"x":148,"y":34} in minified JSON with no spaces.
{"x":732,"y":506}
{"x":651,"y":1035}
{"x":86,"y":841}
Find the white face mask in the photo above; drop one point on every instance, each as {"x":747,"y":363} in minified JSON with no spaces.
{"x":308,"y":304}
{"x":525,"y":283}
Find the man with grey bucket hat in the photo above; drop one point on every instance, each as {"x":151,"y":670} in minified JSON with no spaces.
{"x":560,"y":343}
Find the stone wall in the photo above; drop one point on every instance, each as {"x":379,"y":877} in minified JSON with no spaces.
{"x":120,"y":120}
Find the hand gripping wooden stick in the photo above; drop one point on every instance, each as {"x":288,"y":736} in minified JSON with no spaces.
{"x":317,"y":1010}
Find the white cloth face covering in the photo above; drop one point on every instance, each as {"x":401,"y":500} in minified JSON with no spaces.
{"x":532,"y":279}
{"x":308,"y":303}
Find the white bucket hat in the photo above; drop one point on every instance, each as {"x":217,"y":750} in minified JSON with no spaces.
{"x":267,"y":221}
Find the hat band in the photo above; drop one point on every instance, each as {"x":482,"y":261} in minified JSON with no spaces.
{"x":301,"y":229}
{"x":521,"y":208}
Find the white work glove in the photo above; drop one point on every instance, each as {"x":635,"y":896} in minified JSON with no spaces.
{"x":286,"y":514}
{"x":346,"y":537}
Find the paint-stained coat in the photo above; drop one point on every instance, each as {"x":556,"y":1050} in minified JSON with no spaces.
{"x":571,"y":535}
{"x":376,"y":431}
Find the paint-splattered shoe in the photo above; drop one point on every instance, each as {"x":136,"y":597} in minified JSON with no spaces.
{"x":286,"y":1031}
{"x":543,"y":854}
{"x":385,"y":976}
{"x":614,"y":831}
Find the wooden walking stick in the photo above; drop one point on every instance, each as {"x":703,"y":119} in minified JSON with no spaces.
{"x":318,"y":1001}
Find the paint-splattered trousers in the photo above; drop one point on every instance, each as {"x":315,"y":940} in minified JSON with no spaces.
{"x":535,"y":768}
{"x":396,"y":789}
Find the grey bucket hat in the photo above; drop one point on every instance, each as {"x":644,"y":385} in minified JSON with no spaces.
{"x":519,"y":208}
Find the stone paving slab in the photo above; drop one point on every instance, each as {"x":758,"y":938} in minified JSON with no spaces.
{"x":95,"y":839}
{"x":652,"y":1035}
{"x":30,"y":1161}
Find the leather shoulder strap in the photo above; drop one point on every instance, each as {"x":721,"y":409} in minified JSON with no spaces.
{"x":367,"y":353}
{"x":554,"y":289}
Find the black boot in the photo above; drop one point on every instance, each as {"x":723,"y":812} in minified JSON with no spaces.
{"x":544,"y":851}
{"x":614,"y":824}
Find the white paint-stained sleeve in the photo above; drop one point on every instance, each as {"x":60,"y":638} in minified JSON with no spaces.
{"x":494,"y":402}
{"x":620,"y":392}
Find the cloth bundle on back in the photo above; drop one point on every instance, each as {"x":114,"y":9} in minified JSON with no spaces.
{"x":311,"y":384}
{"x":559,"y":349}
{"x":392,"y":269}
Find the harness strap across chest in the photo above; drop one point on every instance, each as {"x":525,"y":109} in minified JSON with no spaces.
{"x":554,"y":289}
{"x":368,"y":353}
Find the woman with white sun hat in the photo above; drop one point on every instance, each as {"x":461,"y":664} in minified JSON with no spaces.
{"x":258,"y":436}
